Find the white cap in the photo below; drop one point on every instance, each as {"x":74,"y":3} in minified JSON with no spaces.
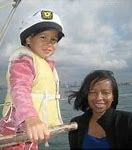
{"x":40,"y":21}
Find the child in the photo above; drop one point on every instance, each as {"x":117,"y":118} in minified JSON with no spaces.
{"x":31,"y":103}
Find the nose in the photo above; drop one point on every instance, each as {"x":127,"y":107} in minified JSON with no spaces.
{"x":99,"y":95}
{"x":50,"y":47}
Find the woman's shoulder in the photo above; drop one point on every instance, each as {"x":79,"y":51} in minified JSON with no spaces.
{"x":82,"y":120}
{"x":80,"y":117}
{"x":123,"y":114}
{"x":120,"y":116}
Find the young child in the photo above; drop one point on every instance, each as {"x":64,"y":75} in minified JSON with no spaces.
{"x":31,"y":104}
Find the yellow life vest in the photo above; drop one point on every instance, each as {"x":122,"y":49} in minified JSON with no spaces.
{"x":45,"y":90}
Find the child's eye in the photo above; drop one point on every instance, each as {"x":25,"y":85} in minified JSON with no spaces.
{"x":43,"y":37}
{"x":54,"y":41}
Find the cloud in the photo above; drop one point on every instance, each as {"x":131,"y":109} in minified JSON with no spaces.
{"x":97,"y":35}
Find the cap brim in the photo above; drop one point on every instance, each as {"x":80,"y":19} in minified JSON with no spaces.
{"x":39,"y":27}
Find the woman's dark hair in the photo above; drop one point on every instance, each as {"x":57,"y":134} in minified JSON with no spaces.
{"x":81,"y":96}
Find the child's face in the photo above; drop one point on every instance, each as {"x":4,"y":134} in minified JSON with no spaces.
{"x":44,"y":43}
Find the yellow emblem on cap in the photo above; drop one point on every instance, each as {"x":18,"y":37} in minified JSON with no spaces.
{"x":47,"y":15}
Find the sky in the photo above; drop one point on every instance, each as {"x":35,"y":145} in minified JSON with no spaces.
{"x":98,"y":35}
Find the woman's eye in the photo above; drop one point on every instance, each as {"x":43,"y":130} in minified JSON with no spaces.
{"x":92,"y":92}
{"x":106,"y":93}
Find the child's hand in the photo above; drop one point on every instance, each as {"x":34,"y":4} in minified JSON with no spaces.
{"x":36,"y":129}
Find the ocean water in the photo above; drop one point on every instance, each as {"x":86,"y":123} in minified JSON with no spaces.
{"x":60,"y":141}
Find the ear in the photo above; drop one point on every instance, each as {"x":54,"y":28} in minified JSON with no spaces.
{"x":28,"y":39}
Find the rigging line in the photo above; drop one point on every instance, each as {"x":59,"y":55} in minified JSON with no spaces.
{"x":7,"y":21}
{"x":5,"y":5}
{"x":16,"y":3}
{"x":5,"y":26}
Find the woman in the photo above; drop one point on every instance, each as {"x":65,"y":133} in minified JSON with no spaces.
{"x":101,"y":125}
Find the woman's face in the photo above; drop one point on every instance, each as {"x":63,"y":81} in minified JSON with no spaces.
{"x":100,"y":96}
{"x":44,"y":43}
